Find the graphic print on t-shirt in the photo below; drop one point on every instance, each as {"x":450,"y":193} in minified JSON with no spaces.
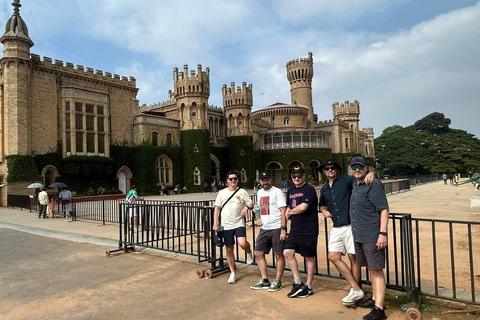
{"x":265,"y":205}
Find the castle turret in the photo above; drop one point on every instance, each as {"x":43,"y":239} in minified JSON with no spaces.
{"x":300,"y":74}
{"x":238,"y":107}
{"x":192,"y":93}
{"x":347,"y":112}
{"x":16,"y":66}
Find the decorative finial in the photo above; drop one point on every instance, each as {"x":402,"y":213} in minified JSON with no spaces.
{"x":16,"y":7}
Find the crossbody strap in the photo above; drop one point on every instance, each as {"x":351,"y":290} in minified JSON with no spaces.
{"x":223,"y":205}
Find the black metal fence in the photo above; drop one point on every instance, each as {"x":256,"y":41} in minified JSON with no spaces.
{"x":424,"y":257}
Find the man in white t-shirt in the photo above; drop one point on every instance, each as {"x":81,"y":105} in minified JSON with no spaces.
{"x":233,"y":210}
{"x":271,"y":201}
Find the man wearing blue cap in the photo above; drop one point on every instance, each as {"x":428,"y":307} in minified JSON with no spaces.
{"x":369,"y":213}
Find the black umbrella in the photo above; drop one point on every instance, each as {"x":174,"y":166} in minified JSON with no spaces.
{"x":58,"y":185}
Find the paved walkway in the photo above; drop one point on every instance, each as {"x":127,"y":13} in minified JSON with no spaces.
{"x":167,"y":281}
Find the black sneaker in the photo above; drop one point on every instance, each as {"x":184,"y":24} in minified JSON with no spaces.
{"x":305,"y":292}
{"x":296,"y":288}
{"x":368,"y":304}
{"x":375,"y":314}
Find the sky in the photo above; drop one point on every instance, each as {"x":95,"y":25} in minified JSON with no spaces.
{"x":401,"y":59}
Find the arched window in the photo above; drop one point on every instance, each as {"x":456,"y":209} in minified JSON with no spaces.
{"x":154,"y":138}
{"x":286,"y":121}
{"x":243,"y":175}
{"x":169,"y":139}
{"x":164,"y":169}
{"x":196,"y":177}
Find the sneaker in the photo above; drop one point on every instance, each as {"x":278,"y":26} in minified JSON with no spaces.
{"x":353,"y":296}
{"x":249,"y":258}
{"x":275,"y":286}
{"x":375,"y":314}
{"x":305,"y":292}
{"x":233,"y":278}
{"x":261,"y":284}
{"x":296,"y":288}
{"x":369,"y":304}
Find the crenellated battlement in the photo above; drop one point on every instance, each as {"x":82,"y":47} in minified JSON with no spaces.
{"x":237,"y":97}
{"x":197,"y":83}
{"x":346,"y":108}
{"x":301,"y":61}
{"x":368,"y":130}
{"x":59,"y":65}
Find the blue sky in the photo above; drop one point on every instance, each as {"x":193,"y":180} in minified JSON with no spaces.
{"x":401,"y":59}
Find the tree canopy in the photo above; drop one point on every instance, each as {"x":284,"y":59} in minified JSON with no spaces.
{"x":429,"y":146}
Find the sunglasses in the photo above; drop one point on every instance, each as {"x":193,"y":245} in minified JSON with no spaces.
{"x":329,"y":169}
{"x":297,"y":177}
{"x":233,"y":179}
{"x":355,"y":167}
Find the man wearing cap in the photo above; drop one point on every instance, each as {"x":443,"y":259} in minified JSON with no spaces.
{"x":302,"y":202}
{"x":231,"y":205}
{"x":271,"y":201}
{"x":369,"y":213}
{"x":334,"y":204}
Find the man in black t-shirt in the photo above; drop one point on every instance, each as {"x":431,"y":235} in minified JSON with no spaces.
{"x":302,"y":211}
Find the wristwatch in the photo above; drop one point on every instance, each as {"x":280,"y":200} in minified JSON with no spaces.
{"x":283,"y":228}
{"x":383,"y":233}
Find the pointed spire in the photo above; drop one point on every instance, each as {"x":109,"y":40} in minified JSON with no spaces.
{"x":16,"y":29}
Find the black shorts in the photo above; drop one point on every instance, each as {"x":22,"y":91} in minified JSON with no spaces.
{"x":305,"y":245}
{"x":229,"y":235}
{"x":268,"y":239}
{"x":369,"y":256}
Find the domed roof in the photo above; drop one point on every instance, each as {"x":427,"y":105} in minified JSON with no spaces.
{"x":16,"y":27}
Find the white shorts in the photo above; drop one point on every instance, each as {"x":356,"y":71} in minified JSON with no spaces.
{"x":132,"y":212}
{"x":341,"y":240}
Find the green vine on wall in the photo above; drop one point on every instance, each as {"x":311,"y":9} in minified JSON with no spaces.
{"x":21,"y":168}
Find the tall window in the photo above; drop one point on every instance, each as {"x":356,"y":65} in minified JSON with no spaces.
{"x":84,"y":128}
{"x":169,"y":139}
{"x":163,"y":167}
{"x":286,"y":121}
{"x":243,"y":175}
{"x":155,"y":138}
{"x":196,"y":177}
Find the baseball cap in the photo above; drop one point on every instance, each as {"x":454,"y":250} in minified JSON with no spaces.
{"x":358,"y":160}
{"x":264,"y":175}
{"x":298,"y":170}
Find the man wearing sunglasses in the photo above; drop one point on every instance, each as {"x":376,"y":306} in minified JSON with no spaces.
{"x":233,"y":205}
{"x":369,"y":213}
{"x":302,"y":211}
{"x":334,"y":204}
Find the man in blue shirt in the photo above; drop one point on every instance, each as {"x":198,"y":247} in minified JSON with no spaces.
{"x":369,"y":213}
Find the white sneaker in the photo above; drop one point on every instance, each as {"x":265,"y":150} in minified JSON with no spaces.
{"x":233,"y":278}
{"x":249,"y":258}
{"x":353,"y":296}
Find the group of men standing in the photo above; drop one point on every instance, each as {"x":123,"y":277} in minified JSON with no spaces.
{"x":357,"y":206}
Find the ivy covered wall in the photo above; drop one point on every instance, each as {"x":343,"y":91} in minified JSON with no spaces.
{"x":195,"y":154}
{"x":241,"y":155}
